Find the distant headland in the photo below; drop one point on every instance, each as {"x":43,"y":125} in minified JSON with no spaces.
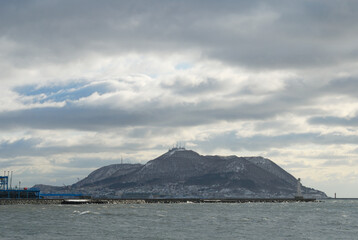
{"x":181,"y":173}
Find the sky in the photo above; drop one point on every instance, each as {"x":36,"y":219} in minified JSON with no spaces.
{"x":86,"y":83}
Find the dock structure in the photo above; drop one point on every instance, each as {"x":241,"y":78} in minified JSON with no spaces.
{"x":20,"y":194}
{"x":7,"y":192}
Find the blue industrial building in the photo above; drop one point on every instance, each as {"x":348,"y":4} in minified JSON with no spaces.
{"x":62,"y":195}
{"x":10,"y":193}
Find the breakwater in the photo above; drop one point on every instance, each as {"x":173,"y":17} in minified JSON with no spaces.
{"x":29,"y":201}
{"x":141,"y":201}
{"x":228,"y":200}
{"x":63,"y":201}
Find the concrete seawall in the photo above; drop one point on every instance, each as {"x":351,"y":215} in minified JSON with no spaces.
{"x":29,"y":201}
{"x":140,"y":201}
{"x":61,"y":201}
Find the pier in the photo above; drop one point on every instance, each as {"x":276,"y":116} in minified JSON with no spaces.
{"x":7,"y":192}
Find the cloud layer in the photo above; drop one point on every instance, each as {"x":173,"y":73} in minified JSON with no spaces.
{"x":85,"y":83}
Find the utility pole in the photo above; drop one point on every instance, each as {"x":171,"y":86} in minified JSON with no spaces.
{"x":11,"y":181}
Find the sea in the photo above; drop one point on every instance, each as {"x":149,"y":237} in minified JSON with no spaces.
{"x":328,"y":219}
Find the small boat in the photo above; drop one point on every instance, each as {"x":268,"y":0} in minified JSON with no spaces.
{"x":75,"y":201}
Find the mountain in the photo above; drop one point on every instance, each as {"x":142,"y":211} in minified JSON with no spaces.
{"x":111,"y":171}
{"x":185,"y":173}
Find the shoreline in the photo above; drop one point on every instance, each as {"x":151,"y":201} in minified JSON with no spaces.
{"x":142,"y":201}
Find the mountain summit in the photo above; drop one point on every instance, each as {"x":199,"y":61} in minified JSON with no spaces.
{"x":185,"y":173}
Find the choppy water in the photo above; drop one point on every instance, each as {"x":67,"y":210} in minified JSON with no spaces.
{"x":325,"y":220}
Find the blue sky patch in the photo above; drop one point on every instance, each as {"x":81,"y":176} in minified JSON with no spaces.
{"x":60,"y":93}
{"x":183,"y":66}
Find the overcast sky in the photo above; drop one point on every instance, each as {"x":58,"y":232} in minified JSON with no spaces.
{"x":84,"y":83}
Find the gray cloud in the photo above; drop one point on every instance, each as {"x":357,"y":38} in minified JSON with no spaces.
{"x":30,"y":148}
{"x":89,"y":162}
{"x":334,"y":121}
{"x":233,"y":141}
{"x":339,"y":162}
{"x":342,"y":86}
{"x":8,"y":163}
{"x":205,"y":87}
{"x":252,"y":33}
{"x":275,"y":64}
{"x":228,"y":140}
{"x":150,"y":114}
{"x":11,"y":149}
{"x":294,"y":97}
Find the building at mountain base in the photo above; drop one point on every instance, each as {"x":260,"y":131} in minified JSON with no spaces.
{"x":20,"y":194}
{"x":7,"y":192}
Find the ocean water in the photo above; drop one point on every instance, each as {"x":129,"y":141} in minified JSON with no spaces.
{"x":331,"y":219}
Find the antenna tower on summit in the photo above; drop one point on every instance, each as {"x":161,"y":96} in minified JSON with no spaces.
{"x":177,"y":146}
